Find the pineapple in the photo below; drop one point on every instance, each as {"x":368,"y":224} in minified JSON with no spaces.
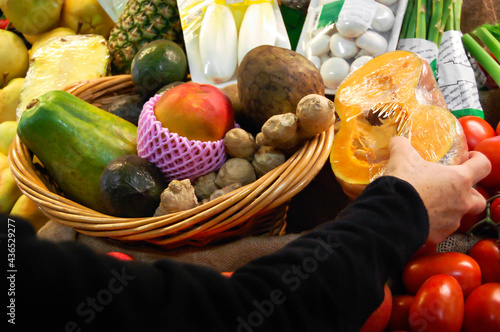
{"x":141,"y":22}
{"x":61,"y":61}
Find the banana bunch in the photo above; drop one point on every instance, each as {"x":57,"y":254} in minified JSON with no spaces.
{"x":224,"y":41}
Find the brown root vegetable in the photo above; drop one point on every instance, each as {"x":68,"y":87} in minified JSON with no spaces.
{"x":205,"y":185}
{"x":272,"y":80}
{"x":266,"y":159}
{"x":315,"y":114}
{"x":235,"y":170}
{"x":240,"y":143}
{"x":178,"y":196}
{"x":227,"y":189}
{"x":279,"y":131}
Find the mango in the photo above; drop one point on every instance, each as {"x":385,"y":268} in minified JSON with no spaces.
{"x":27,"y":209}
{"x":9,"y":191}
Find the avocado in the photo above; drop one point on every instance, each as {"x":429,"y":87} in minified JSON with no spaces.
{"x":128,"y":108}
{"x":131,"y":187}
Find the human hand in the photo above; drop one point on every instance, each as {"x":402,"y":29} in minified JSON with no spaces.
{"x":447,"y":191}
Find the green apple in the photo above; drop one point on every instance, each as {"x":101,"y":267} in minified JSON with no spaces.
{"x":32,"y":17}
{"x":86,"y":17}
{"x":9,"y":98}
{"x":8,"y":131}
{"x":14,"y":57}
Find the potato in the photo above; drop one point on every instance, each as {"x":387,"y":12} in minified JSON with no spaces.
{"x":272,"y":80}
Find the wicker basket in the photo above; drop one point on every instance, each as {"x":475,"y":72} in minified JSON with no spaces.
{"x":255,"y":209}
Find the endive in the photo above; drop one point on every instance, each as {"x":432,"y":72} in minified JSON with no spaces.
{"x":257,"y":28}
{"x":218,"y":43}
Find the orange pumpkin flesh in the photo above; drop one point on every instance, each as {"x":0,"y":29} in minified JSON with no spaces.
{"x":393,"y":94}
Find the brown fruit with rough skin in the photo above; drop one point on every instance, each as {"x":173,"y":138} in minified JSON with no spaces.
{"x":272,"y":80}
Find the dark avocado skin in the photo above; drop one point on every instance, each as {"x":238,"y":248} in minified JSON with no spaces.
{"x":131,"y":187}
{"x":75,"y":141}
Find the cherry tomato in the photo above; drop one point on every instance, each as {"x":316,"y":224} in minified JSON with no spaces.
{"x":378,"y":320}
{"x":490,"y":147}
{"x":495,"y":210}
{"x":482,"y":309}
{"x":461,"y":266}
{"x":399,"y":319}
{"x":476,"y":129}
{"x":438,"y":305}
{"x":120,"y":255}
{"x":487,"y":254}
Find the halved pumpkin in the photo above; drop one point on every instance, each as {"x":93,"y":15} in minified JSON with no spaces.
{"x":393,"y":94}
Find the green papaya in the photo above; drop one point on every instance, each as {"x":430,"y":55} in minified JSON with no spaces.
{"x":75,"y":141}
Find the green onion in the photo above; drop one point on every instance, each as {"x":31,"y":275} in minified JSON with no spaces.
{"x":489,"y":40}
{"x":489,"y":64}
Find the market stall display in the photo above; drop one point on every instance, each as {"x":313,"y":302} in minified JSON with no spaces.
{"x":287,"y":119}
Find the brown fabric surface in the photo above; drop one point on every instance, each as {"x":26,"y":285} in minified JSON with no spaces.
{"x":477,"y":12}
{"x":222,"y":257}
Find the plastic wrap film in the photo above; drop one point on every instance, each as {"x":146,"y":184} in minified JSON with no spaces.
{"x":219,"y":33}
{"x":339,"y":36}
{"x":176,"y":156}
{"x":393,"y":94}
{"x":61,"y":61}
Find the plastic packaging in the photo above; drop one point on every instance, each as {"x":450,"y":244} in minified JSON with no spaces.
{"x":218,"y":34}
{"x":113,"y":8}
{"x":394,"y":94}
{"x":348,"y":30}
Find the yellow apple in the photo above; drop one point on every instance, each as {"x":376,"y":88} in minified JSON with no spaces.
{"x":14,"y":57}
{"x":32,"y":17}
{"x":27,"y":209}
{"x":9,"y":191}
{"x":86,"y":17}
{"x":8,"y":131}
{"x":56,"y":32}
{"x":9,"y":98}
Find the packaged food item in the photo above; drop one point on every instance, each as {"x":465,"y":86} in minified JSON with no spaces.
{"x":394,"y":94}
{"x":339,"y":36}
{"x":113,"y":8}
{"x":218,"y":34}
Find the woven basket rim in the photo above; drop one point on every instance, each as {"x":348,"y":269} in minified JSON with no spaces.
{"x":260,"y":202}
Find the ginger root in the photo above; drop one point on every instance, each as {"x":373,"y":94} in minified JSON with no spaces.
{"x":178,"y":196}
{"x":240,"y":143}
{"x":314,"y":114}
{"x":235,"y":170}
{"x":267,"y":158}
{"x":205,"y":185}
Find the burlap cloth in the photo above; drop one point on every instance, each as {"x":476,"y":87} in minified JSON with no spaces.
{"x":320,"y":201}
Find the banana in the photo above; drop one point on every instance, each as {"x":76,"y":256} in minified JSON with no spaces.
{"x":218,"y":43}
{"x":257,"y":28}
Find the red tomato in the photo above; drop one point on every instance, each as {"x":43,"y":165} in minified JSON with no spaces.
{"x":495,"y":210}
{"x":227,"y":274}
{"x":490,"y":147}
{"x":487,"y":254}
{"x":377,"y":322}
{"x":482,"y":309}
{"x":438,"y":305}
{"x":120,"y":255}
{"x":476,"y":129}
{"x":462,"y":267}
{"x":498,"y":128}
{"x":399,"y":320}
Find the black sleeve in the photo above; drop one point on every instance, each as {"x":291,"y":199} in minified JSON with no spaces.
{"x":328,"y":280}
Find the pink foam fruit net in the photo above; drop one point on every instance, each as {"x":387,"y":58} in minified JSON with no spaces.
{"x":176,"y":156}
